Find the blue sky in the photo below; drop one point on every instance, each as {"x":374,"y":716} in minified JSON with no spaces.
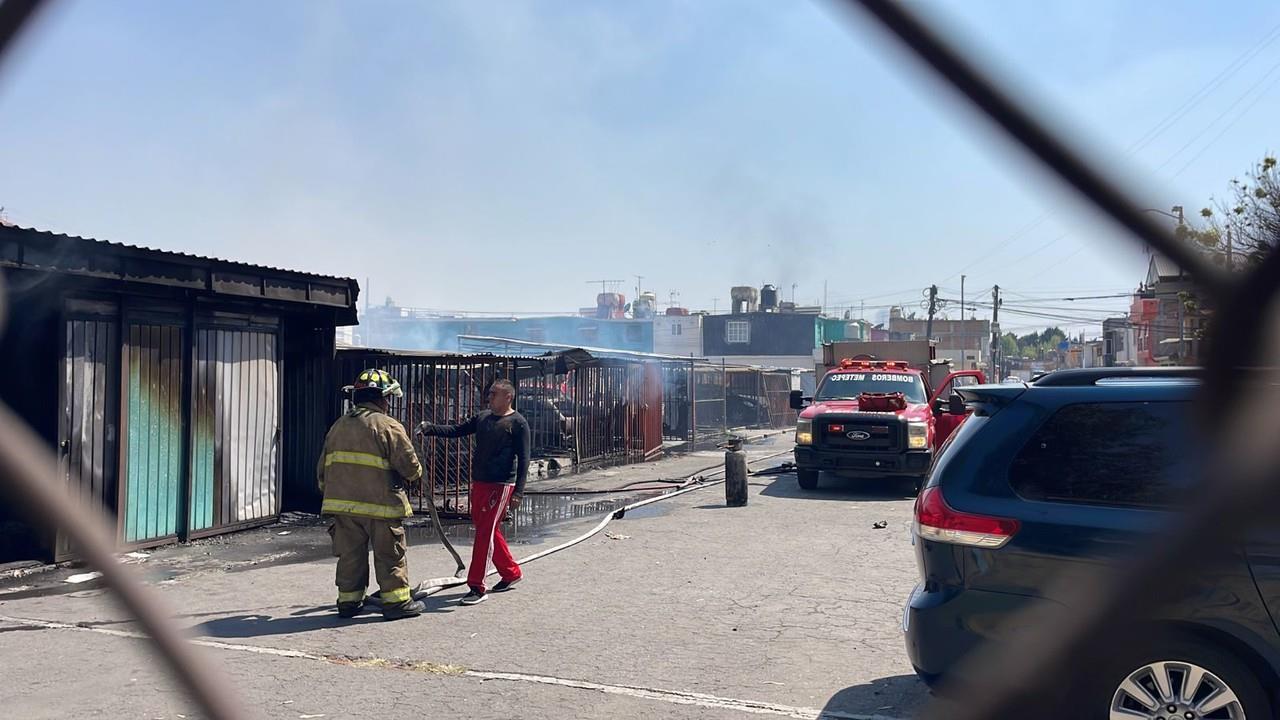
{"x":465,"y":155}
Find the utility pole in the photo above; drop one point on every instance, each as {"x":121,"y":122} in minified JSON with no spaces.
{"x":639,"y":284}
{"x":824,"y":297}
{"x":793,"y":292}
{"x":996,"y":346}
{"x":933,"y":308}
{"x":964,"y":336}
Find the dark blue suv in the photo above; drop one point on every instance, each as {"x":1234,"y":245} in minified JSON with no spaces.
{"x":1074,"y":470}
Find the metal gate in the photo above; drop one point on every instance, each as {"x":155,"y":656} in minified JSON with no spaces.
{"x":88,"y":419}
{"x":235,"y":430}
{"x":444,"y":390}
{"x":151,"y":459}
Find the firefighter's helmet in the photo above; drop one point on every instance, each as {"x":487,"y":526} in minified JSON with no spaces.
{"x":376,"y":380}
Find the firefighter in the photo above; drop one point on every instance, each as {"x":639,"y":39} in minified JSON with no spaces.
{"x":367,"y":462}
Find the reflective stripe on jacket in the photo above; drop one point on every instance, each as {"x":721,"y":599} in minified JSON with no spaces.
{"x":366,"y":463}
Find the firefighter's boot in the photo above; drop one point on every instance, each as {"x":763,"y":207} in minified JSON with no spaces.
{"x":399,"y":611}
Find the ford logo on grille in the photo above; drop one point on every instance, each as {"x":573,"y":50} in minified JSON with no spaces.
{"x":858,"y":435}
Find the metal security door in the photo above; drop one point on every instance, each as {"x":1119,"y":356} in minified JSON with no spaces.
{"x":235,"y":442}
{"x":87,"y":423}
{"x":152,"y":397}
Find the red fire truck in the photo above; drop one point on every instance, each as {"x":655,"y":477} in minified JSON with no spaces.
{"x":876,"y":418}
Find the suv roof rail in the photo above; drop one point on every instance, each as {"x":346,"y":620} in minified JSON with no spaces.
{"x":1090,"y":376}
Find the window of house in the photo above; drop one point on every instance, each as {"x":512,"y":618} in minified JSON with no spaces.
{"x":677,"y":329}
{"x":737,"y":331}
{"x":1121,"y":454}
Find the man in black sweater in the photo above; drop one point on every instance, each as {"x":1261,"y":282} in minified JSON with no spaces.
{"x":499,"y":468}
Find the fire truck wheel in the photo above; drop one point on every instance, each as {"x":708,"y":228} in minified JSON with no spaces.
{"x":808,"y":479}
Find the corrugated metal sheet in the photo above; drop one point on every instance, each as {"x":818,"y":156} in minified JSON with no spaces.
{"x":235,"y":456}
{"x":651,"y":411}
{"x":153,"y":432}
{"x":51,"y":236}
{"x":87,"y":431}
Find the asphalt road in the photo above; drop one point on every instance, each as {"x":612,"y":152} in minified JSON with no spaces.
{"x":789,"y":607}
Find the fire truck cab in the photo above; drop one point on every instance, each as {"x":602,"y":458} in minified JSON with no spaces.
{"x":876,"y":418}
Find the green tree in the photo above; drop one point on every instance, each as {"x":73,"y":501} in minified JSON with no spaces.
{"x":1244,"y":226}
{"x":1248,"y":219}
{"x":1009,"y":345}
{"x":1050,"y":338}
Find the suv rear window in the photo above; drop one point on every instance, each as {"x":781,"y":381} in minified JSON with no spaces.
{"x":1123,"y":454}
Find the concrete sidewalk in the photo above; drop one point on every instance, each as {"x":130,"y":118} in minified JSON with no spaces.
{"x":784,"y":608}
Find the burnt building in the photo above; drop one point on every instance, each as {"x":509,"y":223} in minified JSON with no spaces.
{"x":187,"y":396}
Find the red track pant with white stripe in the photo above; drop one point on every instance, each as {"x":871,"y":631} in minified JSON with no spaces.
{"x":488,"y":504}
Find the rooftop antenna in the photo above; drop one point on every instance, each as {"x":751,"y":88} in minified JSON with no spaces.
{"x":606,"y":285}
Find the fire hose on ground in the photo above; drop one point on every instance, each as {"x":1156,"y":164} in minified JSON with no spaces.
{"x":696,"y":480}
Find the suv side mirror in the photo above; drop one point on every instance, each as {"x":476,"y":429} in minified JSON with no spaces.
{"x":797,"y":399}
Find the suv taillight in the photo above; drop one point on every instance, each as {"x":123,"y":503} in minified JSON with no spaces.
{"x":936,"y":521}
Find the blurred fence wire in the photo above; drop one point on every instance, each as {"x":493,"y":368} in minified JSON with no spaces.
{"x":29,"y":477}
{"x":1235,"y":489}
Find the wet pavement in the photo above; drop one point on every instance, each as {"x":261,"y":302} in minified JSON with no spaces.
{"x":787,"y":607}
{"x":549,"y":506}
{"x":303,"y":537}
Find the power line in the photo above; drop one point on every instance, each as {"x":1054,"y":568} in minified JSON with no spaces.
{"x":1200,"y":95}
{"x":1168,"y":122}
{"x":1228,"y":127}
{"x":1017,"y":234}
{"x":1070,"y":290}
{"x":1220,"y":116}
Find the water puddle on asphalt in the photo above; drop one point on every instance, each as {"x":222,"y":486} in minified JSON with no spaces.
{"x":535,"y":517}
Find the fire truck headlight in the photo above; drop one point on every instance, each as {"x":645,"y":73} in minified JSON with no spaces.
{"x":804,"y":432}
{"x":917,"y":435}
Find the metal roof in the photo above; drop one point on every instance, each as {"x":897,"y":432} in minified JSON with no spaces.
{"x":478,"y":341}
{"x":40,"y":250}
{"x":1165,"y":268}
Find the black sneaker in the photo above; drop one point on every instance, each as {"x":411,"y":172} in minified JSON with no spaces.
{"x":475,"y":598}
{"x":413,"y":608}
{"x":505,"y":585}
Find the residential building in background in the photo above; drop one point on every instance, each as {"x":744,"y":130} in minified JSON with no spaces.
{"x":966,"y":342}
{"x":1165,"y":332}
{"x":391,"y":326}
{"x":772,"y":339}
{"x":1118,"y":343}
{"x":677,"y":332}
